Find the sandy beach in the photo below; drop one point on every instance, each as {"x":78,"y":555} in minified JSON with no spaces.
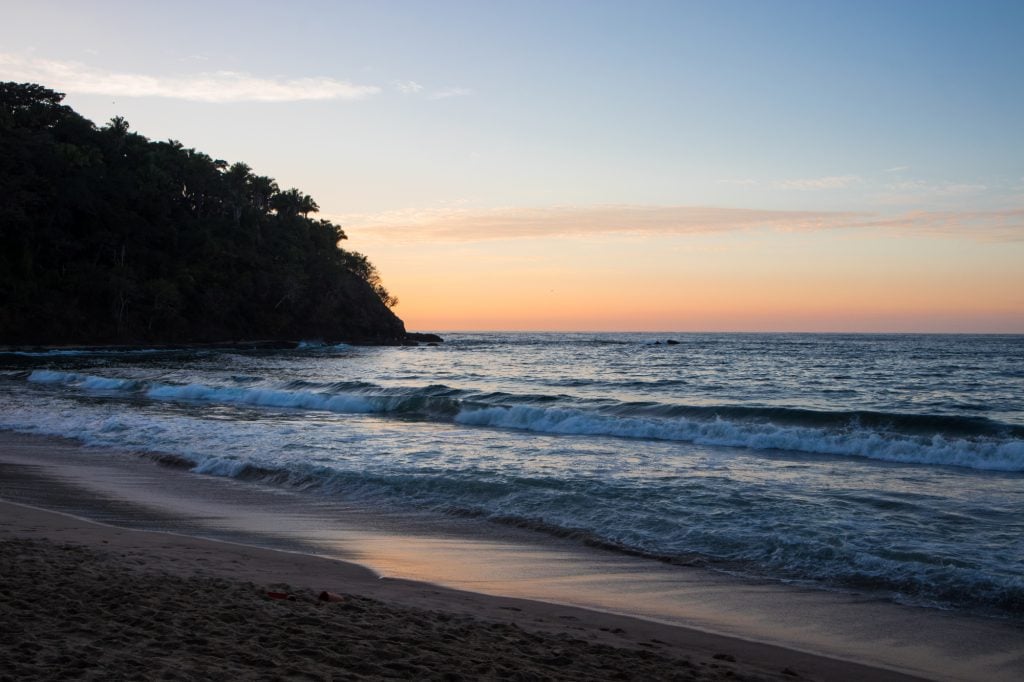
{"x":91,"y":600}
{"x":122,"y":565}
{"x":88,"y":601}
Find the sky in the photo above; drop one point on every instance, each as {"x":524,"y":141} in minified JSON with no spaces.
{"x":644,"y":166}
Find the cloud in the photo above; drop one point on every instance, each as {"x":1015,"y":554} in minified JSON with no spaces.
{"x":1001,"y":225}
{"x":408,"y":87}
{"x":413,"y":88}
{"x":460,"y":224}
{"x":911,"y":192}
{"x":945,"y":189}
{"x":457,"y":224}
{"x":828,"y":182}
{"x":215,"y":86}
{"x":896,"y":169}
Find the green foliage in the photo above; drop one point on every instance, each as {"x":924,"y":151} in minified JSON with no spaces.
{"x":109,"y":237}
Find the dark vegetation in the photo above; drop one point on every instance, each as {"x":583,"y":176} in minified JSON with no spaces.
{"x":107,"y":237}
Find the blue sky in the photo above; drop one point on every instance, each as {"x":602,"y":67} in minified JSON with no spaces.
{"x":586,"y":123}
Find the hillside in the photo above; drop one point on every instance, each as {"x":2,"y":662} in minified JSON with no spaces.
{"x":107,"y":237}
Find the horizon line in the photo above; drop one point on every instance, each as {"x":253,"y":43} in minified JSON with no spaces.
{"x":433,"y":330}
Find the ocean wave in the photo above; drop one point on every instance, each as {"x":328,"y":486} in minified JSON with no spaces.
{"x":566,"y":510}
{"x":990,"y":454}
{"x":262,"y":396}
{"x":684,"y":454}
{"x":972,"y":442}
{"x":88,"y":382}
{"x":746,"y":529}
{"x":315,"y":345}
{"x":85,"y":352}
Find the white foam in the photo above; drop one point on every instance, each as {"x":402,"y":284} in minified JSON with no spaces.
{"x":88,"y":382}
{"x":980,"y":453}
{"x":104,"y":384}
{"x":265,"y":397}
{"x":220,"y":466}
{"x":976,"y":454}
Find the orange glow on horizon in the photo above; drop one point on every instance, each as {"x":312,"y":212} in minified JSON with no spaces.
{"x":821,"y":282}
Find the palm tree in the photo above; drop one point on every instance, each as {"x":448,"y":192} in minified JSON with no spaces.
{"x":237,"y":179}
{"x":307,"y":206}
{"x":286,"y":203}
{"x":292,"y":202}
{"x":262,"y":191}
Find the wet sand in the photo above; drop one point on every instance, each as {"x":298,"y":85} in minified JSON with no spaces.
{"x":90,"y":601}
{"x":98,"y":601}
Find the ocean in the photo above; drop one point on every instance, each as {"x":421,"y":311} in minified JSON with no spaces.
{"x":891,"y":465}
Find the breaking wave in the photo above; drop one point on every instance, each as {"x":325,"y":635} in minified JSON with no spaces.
{"x":928,"y":439}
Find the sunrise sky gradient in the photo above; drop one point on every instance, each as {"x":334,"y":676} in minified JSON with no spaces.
{"x":670,"y":166}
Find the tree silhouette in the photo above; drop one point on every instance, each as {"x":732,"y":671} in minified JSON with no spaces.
{"x":106,"y":236}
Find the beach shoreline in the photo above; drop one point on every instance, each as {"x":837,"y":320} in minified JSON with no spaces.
{"x":185,"y":579}
{"x":25,"y":469}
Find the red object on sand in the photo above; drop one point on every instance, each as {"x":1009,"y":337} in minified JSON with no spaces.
{"x":330,"y":596}
{"x":279,"y":595}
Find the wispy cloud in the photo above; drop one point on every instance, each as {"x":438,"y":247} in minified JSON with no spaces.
{"x":896,"y":169}
{"x":458,"y":224}
{"x":214,"y":86}
{"x":1001,"y":225}
{"x":411,"y":87}
{"x":408,"y":87}
{"x":828,"y":182}
{"x":910,"y":192}
{"x":944,"y":189}
{"x":461,"y":224}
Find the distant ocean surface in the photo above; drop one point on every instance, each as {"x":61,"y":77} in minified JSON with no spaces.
{"x":892,"y":464}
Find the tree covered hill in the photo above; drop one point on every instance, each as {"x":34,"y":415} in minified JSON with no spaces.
{"x":107,"y":237}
